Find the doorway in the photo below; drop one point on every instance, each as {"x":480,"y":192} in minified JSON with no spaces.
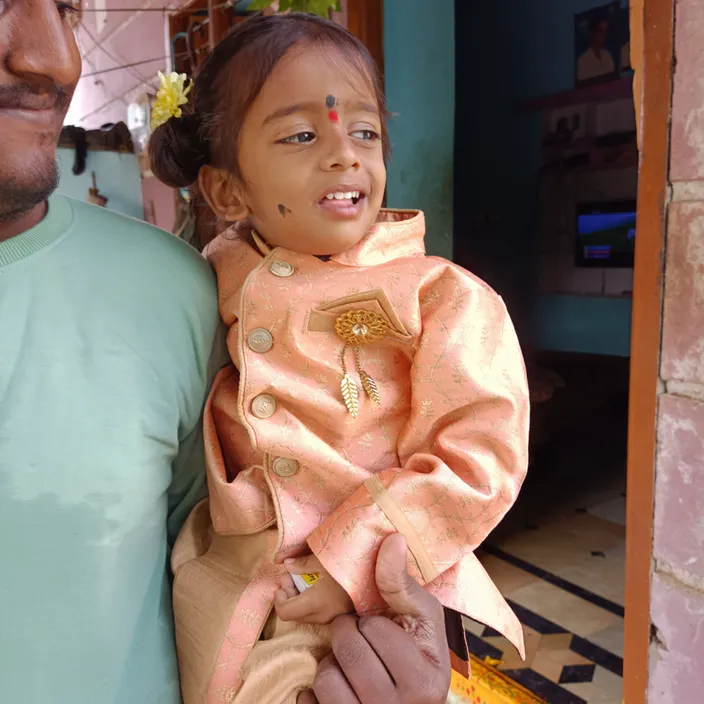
{"x":546,"y":163}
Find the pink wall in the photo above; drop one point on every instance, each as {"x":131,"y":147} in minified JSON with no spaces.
{"x":124,"y":37}
{"x":677,"y":605}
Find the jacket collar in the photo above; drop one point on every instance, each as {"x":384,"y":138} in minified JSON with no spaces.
{"x":396,"y":233}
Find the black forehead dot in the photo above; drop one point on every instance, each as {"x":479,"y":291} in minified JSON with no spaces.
{"x":330,"y":102}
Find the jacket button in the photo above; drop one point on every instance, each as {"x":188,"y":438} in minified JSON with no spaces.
{"x":284,"y":467}
{"x":260,"y":340}
{"x":281,"y":269}
{"x":263,"y":406}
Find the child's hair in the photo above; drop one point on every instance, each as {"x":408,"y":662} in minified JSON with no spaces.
{"x":229,"y":82}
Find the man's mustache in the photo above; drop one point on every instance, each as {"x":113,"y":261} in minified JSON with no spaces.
{"x":27,"y":97}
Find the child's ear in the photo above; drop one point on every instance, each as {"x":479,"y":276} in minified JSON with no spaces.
{"x":223,"y":193}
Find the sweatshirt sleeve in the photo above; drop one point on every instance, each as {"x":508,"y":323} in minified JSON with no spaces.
{"x":462,"y":455}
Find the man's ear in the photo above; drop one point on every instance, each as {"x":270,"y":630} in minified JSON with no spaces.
{"x":224,"y":195}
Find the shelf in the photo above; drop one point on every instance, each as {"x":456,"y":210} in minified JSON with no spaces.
{"x":601,"y":93}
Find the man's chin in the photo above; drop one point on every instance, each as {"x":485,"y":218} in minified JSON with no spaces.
{"x":19,"y":194}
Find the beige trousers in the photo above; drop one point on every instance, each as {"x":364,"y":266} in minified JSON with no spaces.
{"x":211,"y":572}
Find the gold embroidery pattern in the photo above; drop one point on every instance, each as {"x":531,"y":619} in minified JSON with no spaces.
{"x":355,"y":328}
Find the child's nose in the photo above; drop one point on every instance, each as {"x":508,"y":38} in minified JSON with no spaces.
{"x":341,"y":154}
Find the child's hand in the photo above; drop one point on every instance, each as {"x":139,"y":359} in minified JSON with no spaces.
{"x":321,"y":603}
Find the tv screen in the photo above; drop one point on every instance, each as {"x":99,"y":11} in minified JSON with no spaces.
{"x":606,"y":234}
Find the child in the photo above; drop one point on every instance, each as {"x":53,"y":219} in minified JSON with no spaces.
{"x":373,"y":390}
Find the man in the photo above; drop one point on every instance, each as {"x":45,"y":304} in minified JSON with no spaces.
{"x":596,"y":61}
{"x":106,"y":329}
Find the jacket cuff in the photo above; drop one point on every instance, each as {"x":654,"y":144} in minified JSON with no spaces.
{"x":347,"y":544}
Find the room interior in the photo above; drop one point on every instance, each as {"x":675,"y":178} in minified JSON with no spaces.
{"x":546,"y":162}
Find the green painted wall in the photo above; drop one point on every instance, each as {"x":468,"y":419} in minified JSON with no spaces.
{"x":586,"y":324}
{"x":419,"y":58}
{"x":117,"y":176}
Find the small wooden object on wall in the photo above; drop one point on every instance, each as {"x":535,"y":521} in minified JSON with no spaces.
{"x":94,"y":195}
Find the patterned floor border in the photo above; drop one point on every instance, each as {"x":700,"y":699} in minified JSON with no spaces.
{"x":580,"y":661}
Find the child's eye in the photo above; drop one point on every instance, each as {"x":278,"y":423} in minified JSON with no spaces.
{"x":366,"y":135}
{"x":300,"y":138}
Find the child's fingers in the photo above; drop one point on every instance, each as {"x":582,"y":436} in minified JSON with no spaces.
{"x":280,"y":596}
{"x":288,"y":586}
{"x":309,"y":564}
{"x":299,"y":608}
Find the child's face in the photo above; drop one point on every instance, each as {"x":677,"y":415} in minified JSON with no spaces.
{"x":312,"y":138}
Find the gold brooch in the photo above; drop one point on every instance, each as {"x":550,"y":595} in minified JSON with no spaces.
{"x":355,"y":328}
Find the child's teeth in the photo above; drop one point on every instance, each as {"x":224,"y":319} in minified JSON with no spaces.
{"x":339,"y":195}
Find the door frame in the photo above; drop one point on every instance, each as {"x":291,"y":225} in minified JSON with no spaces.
{"x":365,"y":19}
{"x":652,"y":53}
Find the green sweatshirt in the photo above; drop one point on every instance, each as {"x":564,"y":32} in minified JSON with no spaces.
{"x":106,"y":331}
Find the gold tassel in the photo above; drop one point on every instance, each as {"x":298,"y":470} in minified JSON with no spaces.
{"x":350,"y":392}
{"x":350,"y":395}
{"x":370,"y":387}
{"x":368,"y":384}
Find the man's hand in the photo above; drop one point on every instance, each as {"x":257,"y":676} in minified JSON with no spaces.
{"x":375,"y":660}
{"x":321,"y":603}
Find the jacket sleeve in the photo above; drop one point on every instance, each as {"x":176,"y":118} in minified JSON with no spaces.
{"x":462,"y":455}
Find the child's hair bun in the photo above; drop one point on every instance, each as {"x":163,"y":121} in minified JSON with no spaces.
{"x":177,"y":152}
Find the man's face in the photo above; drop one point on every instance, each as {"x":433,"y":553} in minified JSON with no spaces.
{"x":600,"y":33}
{"x":39,"y":68}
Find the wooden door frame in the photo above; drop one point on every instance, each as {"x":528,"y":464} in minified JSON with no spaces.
{"x":653,"y":21}
{"x":365,"y":19}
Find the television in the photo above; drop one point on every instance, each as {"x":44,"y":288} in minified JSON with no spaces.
{"x":606,"y":234}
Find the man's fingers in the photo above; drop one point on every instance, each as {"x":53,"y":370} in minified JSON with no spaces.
{"x":397,"y":649}
{"x":306,"y":697}
{"x":413,"y":660}
{"x":331,"y":685}
{"x":360,"y":662}
{"x":399,"y":590}
{"x":296,"y":609}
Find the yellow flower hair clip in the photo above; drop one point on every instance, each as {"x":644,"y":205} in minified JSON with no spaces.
{"x":172,"y":94}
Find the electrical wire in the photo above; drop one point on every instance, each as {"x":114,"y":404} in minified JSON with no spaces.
{"x":142,"y":81}
{"x":125,"y":66}
{"x":120,"y":26}
{"x":87,"y":10}
{"x":99,"y":45}
{"x":100,"y":108}
{"x":229,"y":3}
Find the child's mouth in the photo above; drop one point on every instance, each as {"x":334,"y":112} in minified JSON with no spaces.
{"x":353,"y":196}
{"x":343,"y":204}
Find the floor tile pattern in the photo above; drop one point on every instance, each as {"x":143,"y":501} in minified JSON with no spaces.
{"x":564,"y":580}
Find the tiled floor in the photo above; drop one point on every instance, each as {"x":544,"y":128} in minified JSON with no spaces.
{"x":564,"y":577}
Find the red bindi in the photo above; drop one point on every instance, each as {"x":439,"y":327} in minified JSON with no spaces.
{"x":334,"y":116}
